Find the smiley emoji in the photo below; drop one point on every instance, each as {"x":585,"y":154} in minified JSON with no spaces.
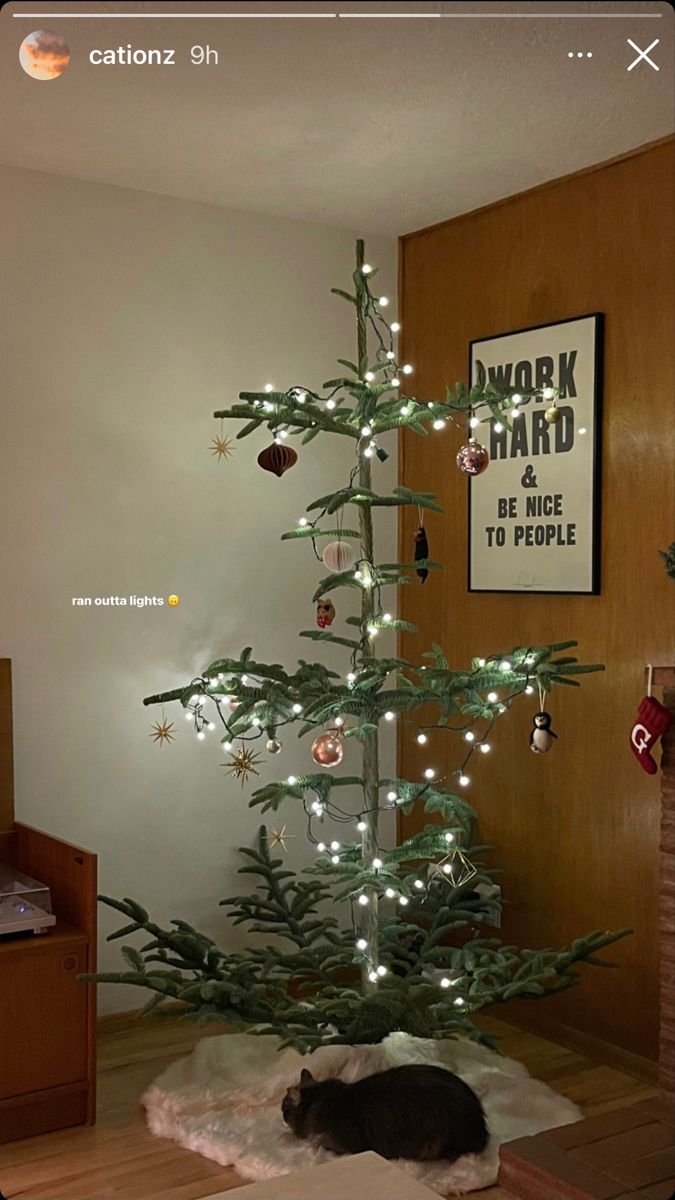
{"x":173,"y":600}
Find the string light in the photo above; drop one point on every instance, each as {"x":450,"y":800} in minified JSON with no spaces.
{"x":449,"y":837}
{"x":548,"y":394}
{"x":469,"y":736}
{"x":499,"y":428}
{"x":464,"y":780}
{"x":474,"y":423}
{"x":445,"y":982}
{"x":373,"y":631}
{"x":484,"y":747}
{"x":439,"y":423}
{"x":422,"y":739}
{"x":403,"y":901}
{"x":361,"y":826}
{"x":269,"y":387}
{"x":291,"y":781}
{"x":297,"y":709}
{"x":335,"y":858}
{"x":395,"y":327}
{"x":389,"y":893}
{"x":351,"y":677}
{"x":530,"y":660}
{"x":383,"y":301}
{"x":256,"y":722}
{"x":391,"y":796}
{"x":429,"y":773}
{"x":302,"y":522}
{"x":372,"y":975}
{"x":377,"y":863}
{"x":366,"y":269}
{"x":529,"y":690}
{"x":492,"y":697}
{"x":366,"y":431}
{"x":362,"y":944}
{"x":396,"y":382}
{"x":301,"y":397}
{"x":201,"y":735}
{"x":363,"y":900}
{"x":505,"y":665}
{"x":407,"y":369}
{"x":369,"y":376}
{"x":339,"y":721}
{"x":390,"y":355}
{"x":382,"y":971}
{"x":389,"y":716}
{"x":406,"y":409}
{"x":516,"y":398}
{"x":330,"y":404}
{"x":419,"y":885}
{"x":458,"y":1002}
{"x":227,"y":746}
{"x":387,"y":617}
{"x":335,"y":846}
{"x":210,"y":725}
{"x":481,"y":662}
{"x":321,"y":847}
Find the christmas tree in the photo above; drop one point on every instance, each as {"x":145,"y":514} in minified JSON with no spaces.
{"x":402,"y":960}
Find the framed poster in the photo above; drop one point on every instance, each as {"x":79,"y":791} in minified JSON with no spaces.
{"x":534,"y":514}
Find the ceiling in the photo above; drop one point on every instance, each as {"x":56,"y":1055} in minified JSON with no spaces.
{"x":379,"y":125}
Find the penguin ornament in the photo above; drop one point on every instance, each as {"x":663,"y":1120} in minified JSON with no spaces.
{"x":542,"y":736}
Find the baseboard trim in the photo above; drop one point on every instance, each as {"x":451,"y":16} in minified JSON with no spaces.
{"x":603,"y":1053}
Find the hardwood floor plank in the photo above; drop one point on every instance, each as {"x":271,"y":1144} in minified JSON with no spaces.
{"x":118,"y":1159}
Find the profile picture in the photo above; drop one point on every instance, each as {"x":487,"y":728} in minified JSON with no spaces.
{"x":44,"y":55}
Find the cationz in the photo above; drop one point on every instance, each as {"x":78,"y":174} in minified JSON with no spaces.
{"x":127,"y":56}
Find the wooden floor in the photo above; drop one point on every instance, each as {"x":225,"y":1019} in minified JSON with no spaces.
{"x":119,"y":1159}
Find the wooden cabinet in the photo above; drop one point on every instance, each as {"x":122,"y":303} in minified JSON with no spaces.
{"x":47,"y":1015}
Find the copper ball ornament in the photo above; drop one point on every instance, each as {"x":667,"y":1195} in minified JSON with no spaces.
{"x":339,"y":556}
{"x":273,"y":746}
{"x":327,"y":749}
{"x":552,"y":415}
{"x":277,"y":458}
{"x":472,"y":458}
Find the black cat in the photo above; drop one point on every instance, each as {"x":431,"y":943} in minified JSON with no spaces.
{"x":417,"y":1112}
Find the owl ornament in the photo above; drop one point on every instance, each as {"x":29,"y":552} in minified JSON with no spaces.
{"x":325,"y":613}
{"x":542,"y":736}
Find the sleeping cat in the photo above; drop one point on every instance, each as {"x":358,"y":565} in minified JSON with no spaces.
{"x":416,"y":1111}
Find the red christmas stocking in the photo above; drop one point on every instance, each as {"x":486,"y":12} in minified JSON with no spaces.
{"x":651,"y":723}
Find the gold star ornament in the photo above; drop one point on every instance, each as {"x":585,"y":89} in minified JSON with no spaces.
{"x":277,"y":837}
{"x":222,"y":447}
{"x":161,"y":731}
{"x":243,"y":763}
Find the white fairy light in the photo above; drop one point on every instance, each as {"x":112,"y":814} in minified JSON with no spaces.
{"x":382,"y":971}
{"x":407,"y":369}
{"x":366,"y":269}
{"x":330,"y":404}
{"x":316,"y":807}
{"x":530,"y":660}
{"x":362,"y":944}
{"x":548,"y":393}
{"x":302,"y":522}
{"x":449,"y":837}
{"x":391,"y":796}
{"x":492,"y":697}
{"x":419,"y":884}
{"x":446,"y":868}
{"x":390,"y":355}
{"x":244,"y":679}
{"x":422,"y":739}
{"x":403,"y":901}
{"x":389,"y":893}
{"x":383,"y":301}
{"x":377,"y":863}
{"x":335,"y":858}
{"x":469,"y":736}
{"x":505,"y":665}
{"x":351,"y":677}
{"x":516,"y":398}
{"x":291,"y":781}
{"x":361,"y":826}
{"x":297,"y":709}
{"x":363,"y":900}
{"x":188,"y":716}
{"x":321,"y":847}
{"x":481,"y":662}
{"x":386,"y":617}
{"x":474,"y":423}
{"x":366,"y":431}
{"x":372,"y":975}
{"x":396,"y":382}
{"x":339,"y":721}
{"x":529,"y":690}
{"x":484,"y":747}
{"x":256,"y":722}
{"x":368,"y":452}
{"x":464,"y":780}
{"x":369,"y":376}
{"x":582,"y":429}
{"x":201,"y":735}
{"x":373,"y":631}
{"x":458,"y":1002}
{"x":227,"y":746}
{"x":429,"y":773}
{"x":269,"y":387}
{"x":439,"y":423}
{"x":498,"y":427}
{"x":389,"y":716}
{"x":301,"y":397}
{"x":516,"y":412}
{"x":335,"y":846}
{"x":405,"y":408}
{"x":445,"y":982}
{"x":211,"y":725}
{"x":395,"y":327}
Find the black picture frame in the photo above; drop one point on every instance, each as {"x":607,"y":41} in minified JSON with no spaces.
{"x":598,"y":319}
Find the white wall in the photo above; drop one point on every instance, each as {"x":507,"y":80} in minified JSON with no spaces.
{"x":128,"y":317}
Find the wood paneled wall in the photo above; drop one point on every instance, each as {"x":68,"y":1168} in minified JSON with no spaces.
{"x":576,"y":831}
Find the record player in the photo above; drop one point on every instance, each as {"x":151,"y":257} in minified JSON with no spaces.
{"x":25,"y":904}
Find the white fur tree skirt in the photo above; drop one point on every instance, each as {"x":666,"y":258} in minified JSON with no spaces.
{"x":224,"y":1101}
